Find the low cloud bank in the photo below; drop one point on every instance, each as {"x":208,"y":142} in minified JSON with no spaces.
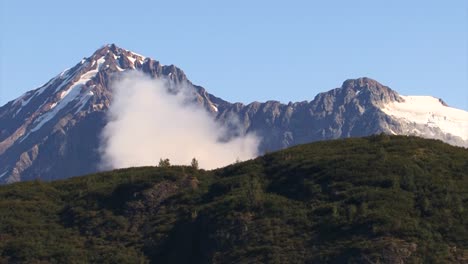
{"x":147,"y":123}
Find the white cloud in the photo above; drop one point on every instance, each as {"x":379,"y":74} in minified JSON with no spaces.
{"x":146,"y":123}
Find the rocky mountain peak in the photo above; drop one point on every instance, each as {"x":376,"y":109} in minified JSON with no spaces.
{"x":110,"y":48}
{"x":361,"y":83}
{"x":71,"y":107}
{"x":377,"y":93}
{"x":362,"y":93}
{"x":117,"y":58}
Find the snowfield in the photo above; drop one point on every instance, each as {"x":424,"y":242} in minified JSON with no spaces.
{"x":430,"y":111}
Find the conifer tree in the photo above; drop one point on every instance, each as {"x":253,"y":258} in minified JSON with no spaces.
{"x":194,"y":163}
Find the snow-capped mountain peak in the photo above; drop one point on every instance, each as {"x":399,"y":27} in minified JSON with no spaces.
{"x":72,"y":89}
{"x":430,"y":113}
{"x":71,"y":96}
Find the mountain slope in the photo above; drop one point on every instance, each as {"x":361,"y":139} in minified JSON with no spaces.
{"x":359,"y":107}
{"x":54,"y":131}
{"x":380,"y":199}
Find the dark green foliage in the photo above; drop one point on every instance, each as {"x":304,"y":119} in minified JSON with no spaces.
{"x":164,"y":163}
{"x":194,"y":163}
{"x":381,"y":199}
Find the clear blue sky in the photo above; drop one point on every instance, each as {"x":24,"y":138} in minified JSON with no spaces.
{"x":249,"y":50}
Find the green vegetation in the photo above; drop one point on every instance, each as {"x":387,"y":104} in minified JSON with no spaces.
{"x":164,"y":163}
{"x":380,"y":199}
{"x":194,"y":163}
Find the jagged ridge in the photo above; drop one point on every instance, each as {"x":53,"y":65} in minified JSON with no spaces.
{"x":53,"y":131}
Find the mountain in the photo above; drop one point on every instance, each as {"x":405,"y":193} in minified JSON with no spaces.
{"x":358,"y":108}
{"x":379,"y":199}
{"x":54,"y":131}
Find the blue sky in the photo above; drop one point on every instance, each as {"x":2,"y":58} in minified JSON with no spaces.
{"x":249,"y":50}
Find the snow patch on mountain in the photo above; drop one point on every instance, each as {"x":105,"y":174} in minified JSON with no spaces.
{"x":83,"y":100}
{"x":67,"y":96}
{"x":429,"y":111}
{"x":51,"y":81}
{"x":134,"y":54}
{"x":3,"y":174}
{"x":23,"y":102}
{"x":35,"y":93}
{"x":132,"y":60}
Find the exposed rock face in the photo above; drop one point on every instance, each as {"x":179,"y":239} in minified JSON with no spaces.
{"x":350,"y":111}
{"x":53,"y":132}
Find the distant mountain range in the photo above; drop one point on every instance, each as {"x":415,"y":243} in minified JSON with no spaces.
{"x":53,"y":131}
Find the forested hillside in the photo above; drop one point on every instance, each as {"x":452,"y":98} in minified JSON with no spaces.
{"x":380,"y":199}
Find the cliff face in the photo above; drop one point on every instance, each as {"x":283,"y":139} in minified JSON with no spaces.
{"x":53,"y":132}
